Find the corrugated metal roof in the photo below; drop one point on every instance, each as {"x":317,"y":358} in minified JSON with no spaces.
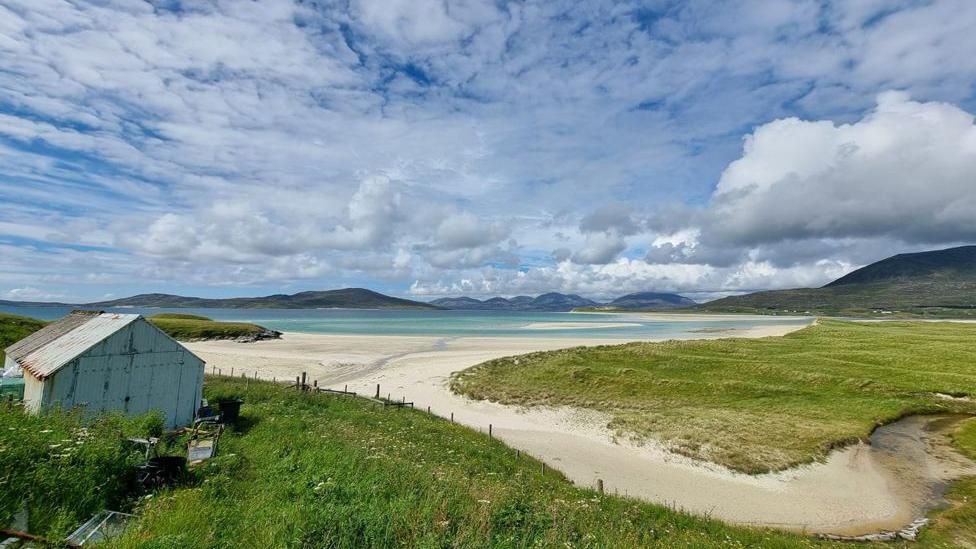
{"x":49,"y":333}
{"x":57,"y":344}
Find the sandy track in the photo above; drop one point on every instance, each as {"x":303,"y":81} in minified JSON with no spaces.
{"x":855,"y":491}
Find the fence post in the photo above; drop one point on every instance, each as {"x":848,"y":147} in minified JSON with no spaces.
{"x":298,"y":383}
{"x":377,"y":391}
{"x":518,"y":454}
{"x":599,"y":485}
{"x":543,"y":468}
{"x":220,"y":371}
{"x":489,"y":431}
{"x":315,"y":384}
{"x":303,"y":381}
{"x":428,"y":409}
{"x":452,"y":417}
{"x":231,"y":371}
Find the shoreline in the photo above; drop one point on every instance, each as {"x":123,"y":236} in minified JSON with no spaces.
{"x":848,"y":493}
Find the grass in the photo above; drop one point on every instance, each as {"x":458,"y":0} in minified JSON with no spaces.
{"x":751,"y":405}
{"x":310,"y":471}
{"x":949,"y":296}
{"x":956,"y":526}
{"x":13,"y":328}
{"x":306,"y":470}
{"x":186,"y":327}
{"x":63,"y":470}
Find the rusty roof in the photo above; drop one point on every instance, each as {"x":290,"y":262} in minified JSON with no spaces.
{"x":44,"y":352}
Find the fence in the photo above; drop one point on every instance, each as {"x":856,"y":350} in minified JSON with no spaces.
{"x":301,"y":384}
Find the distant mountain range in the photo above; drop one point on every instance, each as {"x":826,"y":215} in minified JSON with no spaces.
{"x":556,"y":302}
{"x":941,"y":282}
{"x":348,"y":298}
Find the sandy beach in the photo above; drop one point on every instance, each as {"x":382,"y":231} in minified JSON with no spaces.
{"x":853,"y":492}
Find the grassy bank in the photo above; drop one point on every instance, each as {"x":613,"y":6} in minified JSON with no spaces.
{"x":62,"y":470}
{"x":309,"y":470}
{"x":956,"y":526}
{"x":305,"y":470}
{"x":13,"y":328}
{"x":752,"y":405}
{"x":185,"y":327}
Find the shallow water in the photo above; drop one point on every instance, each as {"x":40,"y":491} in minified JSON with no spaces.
{"x":458,"y":323}
{"x":918,"y":454}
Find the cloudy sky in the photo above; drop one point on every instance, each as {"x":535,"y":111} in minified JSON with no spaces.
{"x":439,"y":147}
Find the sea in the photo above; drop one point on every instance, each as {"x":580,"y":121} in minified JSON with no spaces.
{"x":455,"y":323}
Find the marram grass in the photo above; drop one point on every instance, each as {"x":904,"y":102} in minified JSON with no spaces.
{"x":753,"y":405}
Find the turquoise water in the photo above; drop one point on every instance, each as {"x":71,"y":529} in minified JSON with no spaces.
{"x":447,"y":323}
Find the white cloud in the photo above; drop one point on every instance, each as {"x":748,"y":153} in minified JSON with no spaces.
{"x":904,"y":171}
{"x":281,"y":143}
{"x":30,"y":294}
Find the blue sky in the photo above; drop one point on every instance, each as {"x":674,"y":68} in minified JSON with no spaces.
{"x":429,"y":148}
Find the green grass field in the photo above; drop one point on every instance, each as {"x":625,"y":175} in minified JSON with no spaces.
{"x":752,"y":405}
{"x":307,"y":470}
{"x":185,"y":327}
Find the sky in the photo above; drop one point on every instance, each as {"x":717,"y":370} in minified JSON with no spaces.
{"x":428,"y":148}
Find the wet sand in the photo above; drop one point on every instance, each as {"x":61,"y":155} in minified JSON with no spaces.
{"x":857,"y":490}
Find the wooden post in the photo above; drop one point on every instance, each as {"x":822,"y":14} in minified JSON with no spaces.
{"x":303,"y":381}
{"x":274,"y":379}
{"x":377,"y":391}
{"x":219,"y":372}
{"x":489,"y":431}
{"x":599,"y":485}
{"x":452,"y":417}
{"x":298,"y":383}
{"x":428,"y":409}
{"x":543,"y":468}
{"x":345,"y":389}
{"x":518,"y":454}
{"x":231,"y":371}
{"x":315,"y":383}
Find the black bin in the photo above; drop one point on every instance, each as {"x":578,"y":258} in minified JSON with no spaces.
{"x":230,"y":409}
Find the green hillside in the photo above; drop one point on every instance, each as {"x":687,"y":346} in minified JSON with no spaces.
{"x":939,"y":284}
{"x":347,"y":298}
{"x":13,"y":328}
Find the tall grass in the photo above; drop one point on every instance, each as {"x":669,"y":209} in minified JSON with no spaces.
{"x":62,"y":470}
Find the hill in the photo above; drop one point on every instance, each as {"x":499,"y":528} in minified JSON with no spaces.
{"x":552,"y":302}
{"x":935,"y":283}
{"x":13,"y":328}
{"x":348,"y":298}
{"x":651,"y":300}
{"x":556,"y":302}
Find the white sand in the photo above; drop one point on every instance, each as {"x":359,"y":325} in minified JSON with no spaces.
{"x":849,"y":494}
{"x":577,"y":325}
